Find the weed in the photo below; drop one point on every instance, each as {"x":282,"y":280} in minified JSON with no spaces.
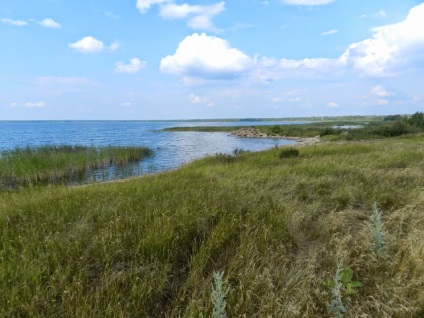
{"x":376,"y":228}
{"x":220,"y":291}
{"x":341,"y":283}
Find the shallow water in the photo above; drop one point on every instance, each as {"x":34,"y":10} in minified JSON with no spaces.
{"x":172,"y":149}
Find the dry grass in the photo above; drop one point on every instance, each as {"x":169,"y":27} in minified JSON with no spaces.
{"x":278,"y":228}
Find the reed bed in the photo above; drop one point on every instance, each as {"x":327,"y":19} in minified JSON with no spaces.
{"x":55,"y":164}
{"x":286,"y":237}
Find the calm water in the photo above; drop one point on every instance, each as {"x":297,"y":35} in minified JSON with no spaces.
{"x":172,"y":149}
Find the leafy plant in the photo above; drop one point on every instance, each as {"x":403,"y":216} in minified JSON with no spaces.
{"x":220,"y":290}
{"x":342,"y":282}
{"x":376,"y":228}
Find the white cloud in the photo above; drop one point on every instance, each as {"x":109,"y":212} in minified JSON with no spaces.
{"x":144,"y":5}
{"x":194,"y":99}
{"x":114,"y":46}
{"x":50,"y":23}
{"x":88,"y":44}
{"x":126,"y":104}
{"x":333,"y":104}
{"x":15,"y":104}
{"x":14,"y":22}
{"x":379,"y":14}
{"x":206,"y":57}
{"x":379,"y":91}
{"x":390,"y":46}
{"x":330,"y":32}
{"x":135,"y":66}
{"x":199,"y":17}
{"x":35,"y":104}
{"x":307,"y":2}
{"x":268,"y":69}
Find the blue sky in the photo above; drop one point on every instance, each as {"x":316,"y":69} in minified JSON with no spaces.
{"x":172,"y":59}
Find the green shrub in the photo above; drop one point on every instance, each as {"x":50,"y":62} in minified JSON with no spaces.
{"x":289,"y":152}
{"x":327,"y":131}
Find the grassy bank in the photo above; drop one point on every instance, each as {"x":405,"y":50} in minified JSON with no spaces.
{"x":361,"y":128}
{"x":53,"y":164}
{"x":285,"y":231}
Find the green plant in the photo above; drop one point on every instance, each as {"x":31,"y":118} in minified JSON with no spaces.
{"x":220,"y":291}
{"x":376,"y":228}
{"x":239,"y":151}
{"x":342,"y":282}
{"x":289,"y":152}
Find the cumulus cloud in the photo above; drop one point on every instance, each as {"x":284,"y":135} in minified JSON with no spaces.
{"x":14,"y":22}
{"x":307,"y":2}
{"x":333,"y":104}
{"x":50,"y":23}
{"x":135,"y":66}
{"x":330,"y":32}
{"x":390,"y":46}
{"x":35,"y":104}
{"x":144,"y":5}
{"x":206,"y":57}
{"x":199,"y":17}
{"x":194,"y":99}
{"x":88,"y":44}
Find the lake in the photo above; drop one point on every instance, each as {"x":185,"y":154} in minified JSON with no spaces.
{"x":172,"y":149}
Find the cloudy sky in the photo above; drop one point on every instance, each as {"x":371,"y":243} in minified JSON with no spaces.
{"x":172,"y":59}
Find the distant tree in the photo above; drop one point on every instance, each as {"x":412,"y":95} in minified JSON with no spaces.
{"x":393,"y":118}
{"x":417,"y":119}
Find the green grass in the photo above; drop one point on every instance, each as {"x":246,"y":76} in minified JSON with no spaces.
{"x":149,"y":246}
{"x":53,"y":164}
{"x":369,"y":128}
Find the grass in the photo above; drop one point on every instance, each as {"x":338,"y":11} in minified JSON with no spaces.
{"x":365,"y":128}
{"x":150,"y":246}
{"x":53,"y":164}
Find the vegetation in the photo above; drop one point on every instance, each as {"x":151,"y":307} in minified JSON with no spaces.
{"x":150,"y":246}
{"x":358,"y":129}
{"x":289,"y":152}
{"x":54,"y":164}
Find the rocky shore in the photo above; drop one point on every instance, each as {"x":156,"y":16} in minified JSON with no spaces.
{"x":252,"y":132}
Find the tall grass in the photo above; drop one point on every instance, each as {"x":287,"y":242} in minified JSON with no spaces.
{"x":148,"y":247}
{"x":52,"y":164}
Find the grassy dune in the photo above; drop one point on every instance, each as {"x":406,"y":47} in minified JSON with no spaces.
{"x":278,"y":228}
{"x":53,"y":164}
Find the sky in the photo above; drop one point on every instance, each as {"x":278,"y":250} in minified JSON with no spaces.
{"x":172,"y":59}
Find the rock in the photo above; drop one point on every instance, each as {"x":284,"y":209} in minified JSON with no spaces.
{"x":250,"y":132}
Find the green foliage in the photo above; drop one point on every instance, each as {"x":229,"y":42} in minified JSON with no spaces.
{"x":220,"y":291}
{"x":289,"y":153}
{"x":55,"y":164}
{"x":417,"y":120}
{"x":336,"y":306}
{"x":276,"y":129}
{"x":376,"y":227}
{"x":147,"y":247}
{"x":239,"y":151}
{"x":341,"y":283}
{"x":327,"y":131}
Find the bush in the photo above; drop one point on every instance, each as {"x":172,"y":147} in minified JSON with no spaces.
{"x":289,"y":152}
{"x":276,"y":129}
{"x":327,"y":131}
